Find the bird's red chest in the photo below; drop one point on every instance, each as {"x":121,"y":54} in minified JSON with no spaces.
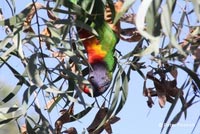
{"x":93,"y":46}
{"x":94,"y":50}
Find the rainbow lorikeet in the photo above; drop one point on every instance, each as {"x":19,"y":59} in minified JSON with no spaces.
{"x":100,"y":50}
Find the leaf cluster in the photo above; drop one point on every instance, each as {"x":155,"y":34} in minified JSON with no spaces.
{"x":53,"y":63}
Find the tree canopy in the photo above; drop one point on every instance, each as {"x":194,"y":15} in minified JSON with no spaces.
{"x":42,"y":41}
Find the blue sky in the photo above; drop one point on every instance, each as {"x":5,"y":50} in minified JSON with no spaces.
{"x":136,"y":117}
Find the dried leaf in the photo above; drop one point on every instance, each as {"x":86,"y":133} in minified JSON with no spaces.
{"x":32,"y":12}
{"x":132,"y":32}
{"x":129,"y":31}
{"x":27,"y":22}
{"x":191,"y":43}
{"x":129,"y":18}
{"x":165,"y":90}
{"x":64,"y":118}
{"x":133,"y":38}
{"x":60,"y":121}
{"x":50,"y":13}
{"x":160,"y":87}
{"x":71,"y":109}
{"x":174,"y":72}
{"x":60,"y":55}
{"x":149,"y":92}
{"x":50,"y":103}
{"x":113,"y":119}
{"x":108,"y":16}
{"x":46,"y":32}
{"x":71,"y":130}
{"x":108,"y":128}
{"x":92,"y":129}
{"x":197,"y":54}
{"x":23,"y":129}
{"x":97,"y":120}
{"x":150,"y":102}
{"x":192,"y":37}
{"x":107,"y":125}
{"x":150,"y":75}
{"x":162,"y":100}
{"x":28,"y":29}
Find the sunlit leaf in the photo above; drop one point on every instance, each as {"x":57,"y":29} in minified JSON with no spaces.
{"x":124,"y":90}
{"x":196,"y":4}
{"x":21,"y":79}
{"x":126,"y":5}
{"x":167,"y":25}
{"x":140,"y":24}
{"x":153,"y":18}
{"x":11,"y":113}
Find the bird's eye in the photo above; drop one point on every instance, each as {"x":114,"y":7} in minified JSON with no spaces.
{"x":91,"y":77}
{"x":103,"y":78}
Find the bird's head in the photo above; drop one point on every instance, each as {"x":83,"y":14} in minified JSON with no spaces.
{"x":100,"y":79}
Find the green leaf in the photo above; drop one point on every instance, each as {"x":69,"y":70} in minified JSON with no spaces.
{"x":17,"y":18}
{"x":78,"y":10}
{"x":77,"y":23}
{"x":152,"y":48}
{"x":5,"y":41}
{"x":29,"y":127}
{"x":174,"y":121}
{"x":120,"y":86}
{"x":167,"y":24}
{"x":117,"y":88}
{"x":10,"y":115}
{"x":153,"y":18}
{"x":4,"y":122}
{"x":16,"y":45}
{"x":196,"y":4}
{"x":52,"y":89}
{"x":140,"y":18}
{"x":21,"y":79}
{"x":124,"y":93}
{"x":140,"y":24}
{"x":45,"y":126}
{"x":27,"y":93}
{"x":11,"y":94}
{"x":33,"y":72}
{"x":5,"y":110}
{"x":18,"y":42}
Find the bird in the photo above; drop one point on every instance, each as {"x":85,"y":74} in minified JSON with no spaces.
{"x":100,"y":49}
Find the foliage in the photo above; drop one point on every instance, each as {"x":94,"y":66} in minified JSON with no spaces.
{"x":53,"y":63}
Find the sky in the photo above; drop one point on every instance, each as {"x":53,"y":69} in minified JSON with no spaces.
{"x":136,"y":116}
